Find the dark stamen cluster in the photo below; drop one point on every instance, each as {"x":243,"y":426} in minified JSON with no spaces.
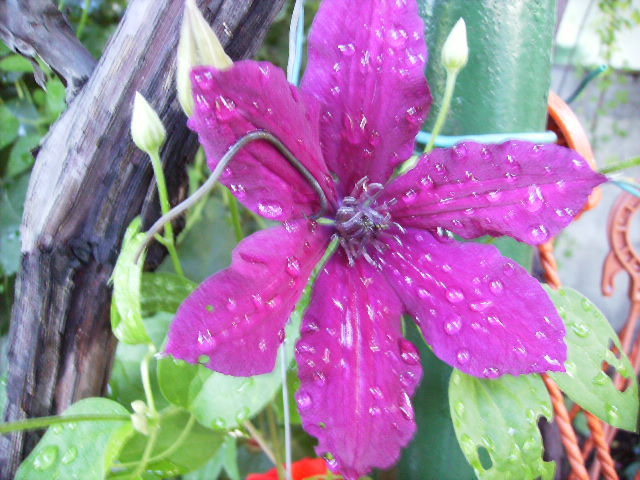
{"x":360,"y":220}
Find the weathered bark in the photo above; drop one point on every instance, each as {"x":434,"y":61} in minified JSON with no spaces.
{"x":37,"y":27}
{"x":89,"y":181}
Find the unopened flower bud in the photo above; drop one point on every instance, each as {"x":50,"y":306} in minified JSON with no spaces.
{"x":147,"y":130}
{"x":455,"y":51}
{"x":140,"y":423}
{"x":140,"y":407}
{"x":198,"y":45}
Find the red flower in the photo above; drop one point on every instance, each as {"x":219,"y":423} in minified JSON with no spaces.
{"x":305,"y":468}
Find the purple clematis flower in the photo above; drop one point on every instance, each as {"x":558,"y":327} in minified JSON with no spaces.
{"x":352,"y":123}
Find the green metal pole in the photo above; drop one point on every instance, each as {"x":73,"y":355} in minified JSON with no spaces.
{"x":505,"y":85}
{"x":503,"y":89}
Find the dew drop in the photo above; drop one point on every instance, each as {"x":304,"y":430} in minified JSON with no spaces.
{"x":454,"y":295}
{"x":535,"y":200}
{"x":408,"y":352}
{"x":496,"y":287}
{"x":580,"y":329}
{"x":347,"y":49}
{"x":405,"y":406}
{"x":413,"y":116}
{"x":376,"y":393}
{"x":293,"y":266}
{"x":494,"y":196}
{"x":69,"y":456}
{"x":453,"y":326}
{"x":491,"y":372}
{"x":396,"y":37}
{"x":205,"y":341}
{"x":538,"y":234}
{"x":375,"y":411}
{"x":225,"y":109}
{"x":459,"y":408}
{"x":508,"y":269}
{"x":480,"y":306}
{"x":270,"y":210}
{"x":410,"y":196}
{"x":463,"y":356}
{"x":612,"y":413}
{"x":46,"y":458}
{"x":304,"y":400}
{"x":219,"y":424}
{"x":601,"y":378}
{"x":232,"y":305}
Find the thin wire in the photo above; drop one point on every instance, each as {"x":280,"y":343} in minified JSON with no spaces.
{"x":217,"y":172}
{"x":450,"y":140}
{"x":296,"y":37}
{"x":586,"y":81}
{"x":285,"y":405}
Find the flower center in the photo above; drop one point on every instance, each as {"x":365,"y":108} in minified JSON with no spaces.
{"x":360,"y":220}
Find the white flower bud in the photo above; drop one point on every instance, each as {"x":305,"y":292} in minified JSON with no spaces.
{"x":198,"y":45}
{"x":140,"y":407}
{"x":140,"y":423}
{"x":147,"y":130}
{"x":455,"y":51}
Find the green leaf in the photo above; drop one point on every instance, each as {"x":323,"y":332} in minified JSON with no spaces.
{"x":226,"y":458}
{"x":164,"y":292}
{"x":496,"y":423}
{"x":126,"y":311}
{"x":11,"y":202}
{"x":20,"y":158}
{"x":199,"y":446}
{"x":518,"y":251}
{"x":222,"y":401}
{"x":16,"y":63}
{"x":55,"y":98}
{"x":10,"y":125}
{"x":206,"y":247}
{"x":434,"y":452}
{"x":83,"y":450}
{"x":589,"y":340}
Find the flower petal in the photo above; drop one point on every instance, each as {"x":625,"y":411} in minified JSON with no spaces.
{"x":527,"y":191}
{"x":237,"y":316}
{"x":356,"y":371}
{"x":481,"y":312}
{"x":256,"y":96}
{"x":366,"y":65}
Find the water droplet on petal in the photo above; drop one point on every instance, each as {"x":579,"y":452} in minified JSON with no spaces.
{"x":405,"y":406}
{"x":46,"y":458}
{"x":454,"y":295}
{"x":347,"y":49}
{"x":463,"y":356}
{"x":480,"y":306}
{"x":538,"y":233}
{"x":496,"y":287}
{"x":491,"y":372}
{"x":453,"y":326}
{"x":396,"y":37}
{"x":293,"y":266}
{"x":304,"y":400}
{"x":225,"y":109}
{"x":408,"y":352}
{"x":612,"y":413}
{"x":270,"y":210}
{"x":375,"y":411}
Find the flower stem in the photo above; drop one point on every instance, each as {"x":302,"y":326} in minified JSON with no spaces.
{"x":165,"y":206}
{"x":253,"y":431}
{"x":44,"y":422}
{"x":235,"y":215}
{"x":146,"y":455}
{"x":169,"y":451}
{"x":450,"y":85}
{"x":616,"y":167}
{"x":146,"y":381}
{"x":83,"y":19}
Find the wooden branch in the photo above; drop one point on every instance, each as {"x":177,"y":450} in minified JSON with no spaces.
{"x":89,"y":181}
{"x":37,"y":28}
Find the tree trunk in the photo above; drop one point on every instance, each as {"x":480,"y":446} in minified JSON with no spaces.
{"x":88,"y":182}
